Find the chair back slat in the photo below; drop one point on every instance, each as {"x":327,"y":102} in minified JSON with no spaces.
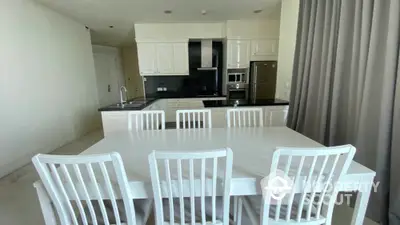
{"x":76,"y":183}
{"x":244,"y":117}
{"x":311,"y":171}
{"x":193,"y":119}
{"x":195,"y":178}
{"x":146,"y":120}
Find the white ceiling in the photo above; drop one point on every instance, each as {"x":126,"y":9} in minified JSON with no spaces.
{"x":98,"y":15}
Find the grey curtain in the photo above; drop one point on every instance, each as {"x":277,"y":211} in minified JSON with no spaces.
{"x":345,"y":87}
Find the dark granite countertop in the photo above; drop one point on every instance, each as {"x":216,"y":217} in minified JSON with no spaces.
{"x":133,"y":104}
{"x":141,"y":102}
{"x":257,"y":102}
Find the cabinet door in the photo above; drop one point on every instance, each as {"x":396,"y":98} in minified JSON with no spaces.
{"x":238,"y":54}
{"x":275,"y":116}
{"x":181,"y":58}
{"x":147,"y":58}
{"x":114,"y":121}
{"x":165,"y":58}
{"x":264,"y":47}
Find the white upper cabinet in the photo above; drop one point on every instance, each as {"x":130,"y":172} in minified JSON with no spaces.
{"x":238,"y":53}
{"x":147,"y":56}
{"x":264,"y":49}
{"x":263,"y":35}
{"x":181,"y":58}
{"x":163,"y":58}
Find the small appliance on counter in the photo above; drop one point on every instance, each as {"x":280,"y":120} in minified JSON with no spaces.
{"x":262,"y":80}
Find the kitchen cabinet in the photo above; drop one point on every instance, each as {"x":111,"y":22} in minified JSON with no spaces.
{"x":158,"y":58}
{"x":181,"y":58}
{"x":114,"y":121}
{"x":275,"y":115}
{"x":238,"y":53}
{"x":264,"y":49}
{"x":165,"y":58}
{"x":147,"y":56}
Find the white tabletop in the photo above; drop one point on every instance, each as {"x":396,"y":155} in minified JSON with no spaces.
{"x":252,"y":147}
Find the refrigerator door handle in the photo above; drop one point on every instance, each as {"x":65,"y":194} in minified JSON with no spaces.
{"x":253,"y":92}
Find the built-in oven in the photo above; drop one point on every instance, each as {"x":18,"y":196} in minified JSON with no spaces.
{"x":238,"y":91}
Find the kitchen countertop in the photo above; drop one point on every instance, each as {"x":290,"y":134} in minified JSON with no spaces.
{"x":244,"y":103}
{"x":141,"y":102}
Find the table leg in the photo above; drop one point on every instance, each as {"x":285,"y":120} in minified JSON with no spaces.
{"x":361,"y":203}
{"x":45,"y":205}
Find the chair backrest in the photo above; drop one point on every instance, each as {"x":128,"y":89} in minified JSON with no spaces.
{"x":86,"y":178}
{"x":199,"y":178}
{"x":195,"y":118}
{"x":244,"y":117}
{"x":314,"y":173}
{"x":146,"y":120}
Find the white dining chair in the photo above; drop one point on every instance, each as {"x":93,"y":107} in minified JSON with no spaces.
{"x":244,"y":117}
{"x":310,"y":176}
{"x":89,"y":189}
{"x":146,"y":120}
{"x":193,"y":118}
{"x":195,"y":182}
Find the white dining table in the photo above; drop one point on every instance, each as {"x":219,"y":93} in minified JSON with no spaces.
{"x":252,"y":154}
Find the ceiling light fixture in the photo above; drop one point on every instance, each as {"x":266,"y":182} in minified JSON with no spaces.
{"x":203,"y":12}
{"x":167,"y":11}
{"x":257,"y":11}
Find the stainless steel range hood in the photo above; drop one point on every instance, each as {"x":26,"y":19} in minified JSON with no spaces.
{"x":206,"y":55}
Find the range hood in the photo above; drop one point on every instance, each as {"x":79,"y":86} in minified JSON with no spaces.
{"x":207,"y":55}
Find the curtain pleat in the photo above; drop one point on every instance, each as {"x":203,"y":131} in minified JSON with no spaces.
{"x":344,"y":89}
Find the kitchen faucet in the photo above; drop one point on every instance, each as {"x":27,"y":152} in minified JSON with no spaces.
{"x":122,"y":88}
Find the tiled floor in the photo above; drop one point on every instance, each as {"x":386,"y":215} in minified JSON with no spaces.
{"x":19,"y":204}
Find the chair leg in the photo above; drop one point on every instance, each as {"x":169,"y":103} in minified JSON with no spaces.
{"x":235,"y":208}
{"x":239,"y":211}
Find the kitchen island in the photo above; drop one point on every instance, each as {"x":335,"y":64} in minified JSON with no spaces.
{"x":115,"y":117}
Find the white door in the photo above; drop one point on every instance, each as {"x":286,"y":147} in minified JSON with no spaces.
{"x":181,"y":58}
{"x":147,"y":56}
{"x":165,"y":58}
{"x":238,"y":53}
{"x":109,"y":75}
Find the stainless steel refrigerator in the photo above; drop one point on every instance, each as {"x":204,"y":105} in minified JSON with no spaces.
{"x":262,"y":80}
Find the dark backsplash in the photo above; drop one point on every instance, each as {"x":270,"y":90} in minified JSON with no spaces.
{"x":198,"y":82}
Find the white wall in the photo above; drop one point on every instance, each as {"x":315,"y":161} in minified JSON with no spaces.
{"x":48,"y":93}
{"x":287,"y":44}
{"x":252,"y":29}
{"x":109,"y":71}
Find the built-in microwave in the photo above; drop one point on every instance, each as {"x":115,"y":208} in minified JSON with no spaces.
{"x":236,"y":77}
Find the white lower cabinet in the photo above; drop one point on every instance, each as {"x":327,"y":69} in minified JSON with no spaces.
{"x":172,"y":105}
{"x":114,"y":121}
{"x":272,"y":115}
{"x":118,"y":120}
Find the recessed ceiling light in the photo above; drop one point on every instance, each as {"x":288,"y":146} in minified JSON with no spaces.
{"x":257,"y":11}
{"x":111,"y":26}
{"x":203,"y":12}
{"x":167,"y":11}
